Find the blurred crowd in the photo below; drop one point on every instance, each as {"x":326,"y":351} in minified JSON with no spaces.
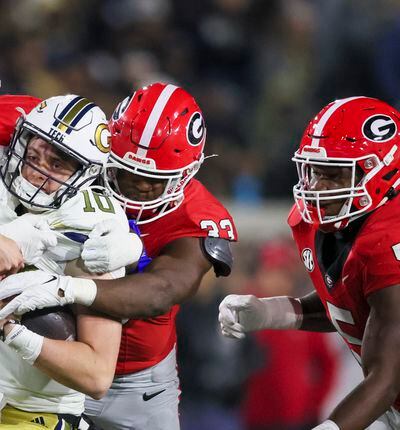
{"x":260,"y":70}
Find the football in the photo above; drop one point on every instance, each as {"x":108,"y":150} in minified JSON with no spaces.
{"x":55,"y":323}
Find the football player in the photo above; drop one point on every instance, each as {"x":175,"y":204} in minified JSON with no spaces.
{"x":158,"y":135}
{"x":347,"y":228}
{"x":58,"y":150}
{"x":13,"y":255}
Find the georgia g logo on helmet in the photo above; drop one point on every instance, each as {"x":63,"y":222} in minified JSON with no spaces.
{"x":196,"y":129}
{"x":379,"y":128}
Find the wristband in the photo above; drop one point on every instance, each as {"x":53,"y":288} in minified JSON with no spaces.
{"x":282,"y":313}
{"x":25,"y":342}
{"x":327,"y":425}
{"x":83,"y":291}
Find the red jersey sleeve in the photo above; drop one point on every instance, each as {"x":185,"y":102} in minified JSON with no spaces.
{"x":382,"y":263}
{"x":379,"y":249}
{"x":9,"y":113}
{"x":206,"y":216}
{"x":200,"y":215}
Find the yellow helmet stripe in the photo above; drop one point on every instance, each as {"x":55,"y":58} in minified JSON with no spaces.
{"x":65,"y":122}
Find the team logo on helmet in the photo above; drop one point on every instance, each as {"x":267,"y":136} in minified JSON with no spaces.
{"x":102,"y":138}
{"x":42,"y":106}
{"x":196,"y":129}
{"x":67,"y":120}
{"x":121,"y":108}
{"x":308,"y":259}
{"x":379,"y":128}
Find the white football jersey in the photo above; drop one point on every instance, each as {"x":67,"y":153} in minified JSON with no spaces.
{"x":24,"y":386}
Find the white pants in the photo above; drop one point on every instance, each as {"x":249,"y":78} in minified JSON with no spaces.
{"x":146,"y":400}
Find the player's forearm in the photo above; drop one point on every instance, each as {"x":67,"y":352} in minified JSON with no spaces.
{"x":316,"y":322}
{"x":142,"y":295}
{"x":314,"y":314}
{"x":76,"y":365}
{"x":130,"y":297}
{"x":367,"y":402}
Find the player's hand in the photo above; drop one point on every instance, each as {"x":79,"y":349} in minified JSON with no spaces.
{"x":110,"y":247}
{"x":239,"y":314}
{"x":11,"y":258}
{"x":39,"y":289}
{"x":32,"y":235}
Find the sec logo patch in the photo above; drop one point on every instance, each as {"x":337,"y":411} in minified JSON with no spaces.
{"x":308,"y":259}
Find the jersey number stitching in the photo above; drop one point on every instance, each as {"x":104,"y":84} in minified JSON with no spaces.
{"x":107,"y":206}
{"x":214,"y":230}
{"x":342,"y":315}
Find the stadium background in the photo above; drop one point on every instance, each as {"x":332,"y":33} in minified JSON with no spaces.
{"x":259,"y":69}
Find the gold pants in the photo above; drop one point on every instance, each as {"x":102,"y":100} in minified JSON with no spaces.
{"x":15,"y":419}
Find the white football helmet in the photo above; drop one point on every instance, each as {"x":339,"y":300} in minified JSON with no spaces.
{"x":72,"y":124}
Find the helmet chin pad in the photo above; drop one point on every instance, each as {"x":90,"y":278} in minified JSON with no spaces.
{"x":35,"y":199}
{"x":27,"y":191}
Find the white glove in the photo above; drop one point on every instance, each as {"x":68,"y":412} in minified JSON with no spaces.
{"x":32,"y":235}
{"x":327,"y":425}
{"x":39,"y":289}
{"x":239,"y":314}
{"x":110,"y":247}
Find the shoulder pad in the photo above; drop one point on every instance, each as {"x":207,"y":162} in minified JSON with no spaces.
{"x":218,"y":251}
{"x":294,"y":217}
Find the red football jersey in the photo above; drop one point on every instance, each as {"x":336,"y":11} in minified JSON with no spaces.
{"x":368,"y":262}
{"x":9,"y":113}
{"x":146,"y":342}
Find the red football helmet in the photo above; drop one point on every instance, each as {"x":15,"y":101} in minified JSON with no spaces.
{"x":357,"y":132}
{"x":158,"y":132}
